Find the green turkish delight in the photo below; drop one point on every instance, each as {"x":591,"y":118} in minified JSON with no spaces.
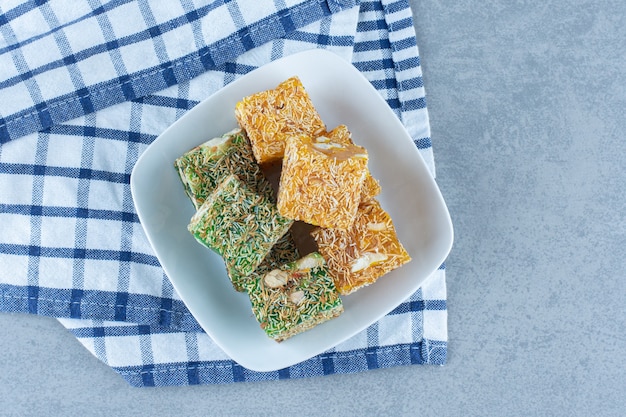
{"x":239,"y":224}
{"x":284,"y":251}
{"x":294,"y":298}
{"x":202,"y":168}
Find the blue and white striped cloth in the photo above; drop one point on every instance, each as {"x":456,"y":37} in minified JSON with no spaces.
{"x":86,"y":87}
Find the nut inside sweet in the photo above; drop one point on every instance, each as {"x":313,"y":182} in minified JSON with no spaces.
{"x":276,"y":278}
{"x":296,"y":297}
{"x":376,"y":227}
{"x":367,"y":259}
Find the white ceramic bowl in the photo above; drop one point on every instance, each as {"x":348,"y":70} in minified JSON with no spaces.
{"x":409,"y":194}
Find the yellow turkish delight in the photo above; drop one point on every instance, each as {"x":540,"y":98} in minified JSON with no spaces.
{"x":341,"y":134}
{"x":270,"y":117}
{"x":360,"y":255}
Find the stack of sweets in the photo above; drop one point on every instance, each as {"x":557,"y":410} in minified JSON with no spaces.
{"x":325,"y":183}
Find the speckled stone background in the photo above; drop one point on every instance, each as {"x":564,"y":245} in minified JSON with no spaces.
{"x":527,"y":101}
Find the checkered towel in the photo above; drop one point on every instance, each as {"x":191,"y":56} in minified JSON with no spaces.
{"x":86,"y":87}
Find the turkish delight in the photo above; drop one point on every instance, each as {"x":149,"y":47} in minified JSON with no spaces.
{"x":321,"y":181}
{"x":239,"y":224}
{"x":294,"y":298}
{"x":270,"y":117}
{"x":360,"y":255}
{"x":202,"y":168}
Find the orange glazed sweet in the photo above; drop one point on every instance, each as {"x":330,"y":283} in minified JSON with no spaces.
{"x":270,"y":117}
{"x":368,"y":250}
{"x":321,"y":181}
{"x":371,"y":187}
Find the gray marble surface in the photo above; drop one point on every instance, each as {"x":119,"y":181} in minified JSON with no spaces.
{"x":527,"y":101}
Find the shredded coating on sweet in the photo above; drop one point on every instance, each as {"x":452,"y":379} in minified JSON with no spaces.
{"x":294,"y":298}
{"x":283,"y":252}
{"x":270,"y":117}
{"x":321,"y":185}
{"x":239,"y":224}
{"x":202,"y":168}
{"x":369,"y":249}
{"x":371,"y":186}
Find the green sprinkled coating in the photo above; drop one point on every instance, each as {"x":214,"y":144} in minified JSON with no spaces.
{"x":205,"y":166}
{"x":284,"y":251}
{"x":239,"y":224}
{"x":294,"y":298}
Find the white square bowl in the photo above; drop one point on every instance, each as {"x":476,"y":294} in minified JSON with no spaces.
{"x":342,"y":95}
